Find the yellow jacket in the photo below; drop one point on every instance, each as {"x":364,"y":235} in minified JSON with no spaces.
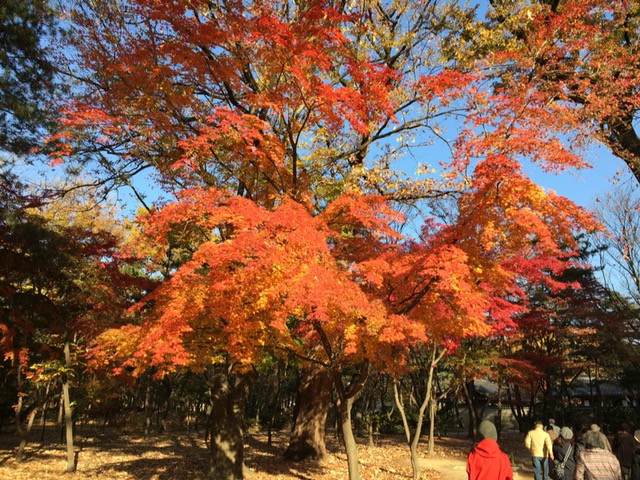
{"x":538,"y":442}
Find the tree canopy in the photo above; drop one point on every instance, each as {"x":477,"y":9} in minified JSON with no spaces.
{"x":26,"y":73}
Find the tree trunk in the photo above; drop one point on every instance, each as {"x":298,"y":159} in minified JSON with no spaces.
{"x":164,"y":405}
{"x":400,"y":405}
{"x":348,"y":439}
{"x":413,"y":447}
{"x":428,"y":398}
{"x":68,"y":420}
{"x":313,"y":400}
{"x":21,"y":413}
{"x":19,"y":427}
{"x":346,"y":397}
{"x":24,"y":435}
{"x":473,"y":414}
{"x":498,"y":419}
{"x":229,"y":392}
{"x":271,"y":418}
{"x":147,"y":406}
{"x":432,"y":423}
{"x":516,"y":407}
{"x":45,"y":408}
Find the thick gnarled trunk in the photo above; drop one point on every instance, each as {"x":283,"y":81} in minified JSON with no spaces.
{"x":313,"y":400}
{"x":228,"y":396}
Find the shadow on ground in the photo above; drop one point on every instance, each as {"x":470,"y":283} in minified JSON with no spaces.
{"x":107,"y":453}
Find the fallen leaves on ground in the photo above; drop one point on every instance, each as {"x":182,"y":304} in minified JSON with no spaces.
{"x":110,"y":454}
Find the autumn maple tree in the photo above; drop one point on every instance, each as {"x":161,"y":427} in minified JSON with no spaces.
{"x":572,"y":66}
{"x":340,"y":288}
{"x":265,"y":281}
{"x":465,"y":279}
{"x":265,"y":99}
{"x":275,"y":129}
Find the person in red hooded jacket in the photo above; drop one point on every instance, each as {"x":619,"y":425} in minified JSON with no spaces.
{"x":485,"y":460}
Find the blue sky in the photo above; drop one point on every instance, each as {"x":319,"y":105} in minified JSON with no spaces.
{"x":582,"y":186}
{"x":585,"y":185}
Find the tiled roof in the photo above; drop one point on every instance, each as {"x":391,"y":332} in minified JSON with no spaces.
{"x":582,"y":387}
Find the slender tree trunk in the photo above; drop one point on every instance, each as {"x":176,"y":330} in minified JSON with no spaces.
{"x":371,"y":421}
{"x":45,"y":408}
{"x":271,"y":418}
{"x":432,"y":423}
{"x":403,"y":415}
{"x":516,"y":407}
{"x":43,"y":422}
{"x":23,"y":432}
{"x":68,"y":420}
{"x":498,"y":420}
{"x":147,"y":407}
{"x":346,"y":397}
{"x":428,"y":398}
{"x":473,"y":416}
{"x":229,"y":392}
{"x":60,"y":422}
{"x":163,"y":409}
{"x":207,"y":424}
{"x":24,"y":435}
{"x":348,"y":439}
{"x":413,"y":447}
{"x":598,"y":402}
{"x":19,"y":427}
{"x":459,"y":422}
{"x":313,"y":400}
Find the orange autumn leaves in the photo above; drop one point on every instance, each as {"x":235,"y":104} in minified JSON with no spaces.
{"x":261,"y":115}
{"x":343,"y":285}
{"x":180,"y":85}
{"x":263,"y":281}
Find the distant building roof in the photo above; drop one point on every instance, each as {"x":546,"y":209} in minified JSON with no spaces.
{"x":485,"y":387}
{"x":585,"y":387}
{"x":581,"y":387}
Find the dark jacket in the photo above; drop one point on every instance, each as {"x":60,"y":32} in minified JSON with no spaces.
{"x":559,"y":451}
{"x":624,"y":447}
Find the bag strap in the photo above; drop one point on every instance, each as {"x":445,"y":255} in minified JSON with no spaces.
{"x":566,"y":455}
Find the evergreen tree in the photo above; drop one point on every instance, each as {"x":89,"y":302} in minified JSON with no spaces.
{"x":26,"y":72}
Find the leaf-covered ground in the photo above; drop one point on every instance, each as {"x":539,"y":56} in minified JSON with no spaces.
{"x":109,"y":454}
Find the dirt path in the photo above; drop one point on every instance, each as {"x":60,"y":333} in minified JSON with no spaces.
{"x":450,"y":456}
{"x":454,"y":468}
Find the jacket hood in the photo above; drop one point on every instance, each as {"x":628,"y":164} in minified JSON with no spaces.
{"x":487,"y":447}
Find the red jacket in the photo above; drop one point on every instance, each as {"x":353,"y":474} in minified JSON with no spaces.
{"x":487,"y":462}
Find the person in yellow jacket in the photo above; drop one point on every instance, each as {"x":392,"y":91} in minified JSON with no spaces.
{"x":538,"y":442}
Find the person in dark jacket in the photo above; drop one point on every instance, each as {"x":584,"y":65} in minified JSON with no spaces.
{"x":635,"y":465}
{"x":564,"y":447}
{"x":485,"y":460}
{"x":624,"y":447}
